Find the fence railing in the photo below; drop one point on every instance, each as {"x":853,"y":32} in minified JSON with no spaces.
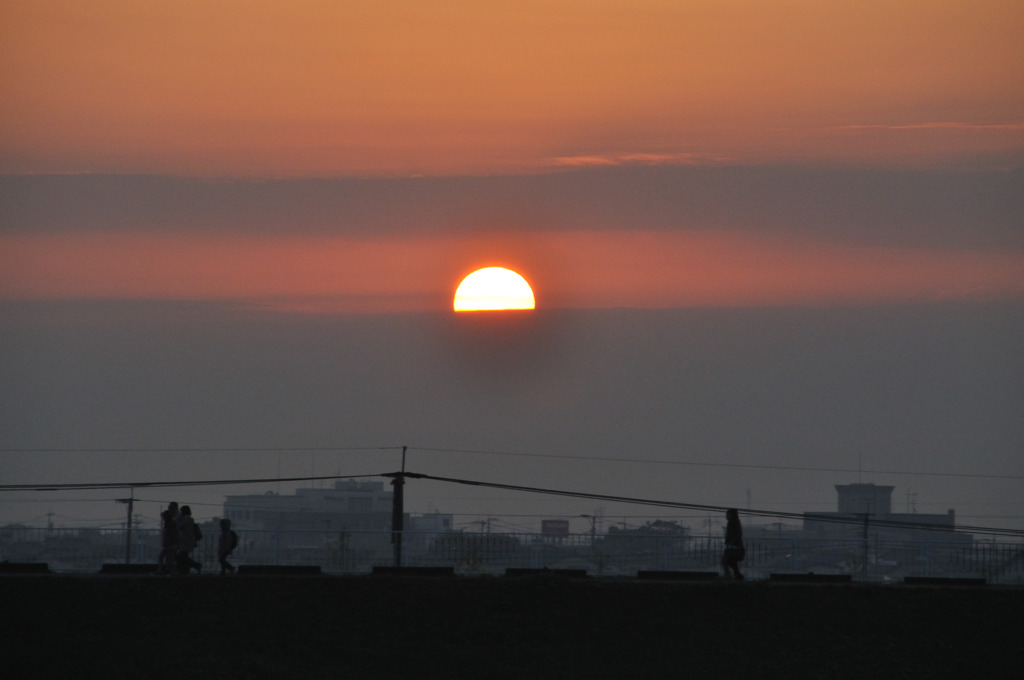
{"x":355,"y":552}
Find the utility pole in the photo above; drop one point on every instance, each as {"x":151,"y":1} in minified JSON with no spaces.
{"x":397,"y":510}
{"x":593,"y":527}
{"x":128,"y":533}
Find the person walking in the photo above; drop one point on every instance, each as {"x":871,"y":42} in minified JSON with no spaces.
{"x":169,"y":539}
{"x":734,"y":551}
{"x":189,"y":536}
{"x":226,"y":544}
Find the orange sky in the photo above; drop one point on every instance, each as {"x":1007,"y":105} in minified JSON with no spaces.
{"x":406,"y":87}
{"x":629,"y":269}
{"x":369,"y":87}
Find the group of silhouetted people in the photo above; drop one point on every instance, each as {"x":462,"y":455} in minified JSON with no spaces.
{"x":180,"y":535}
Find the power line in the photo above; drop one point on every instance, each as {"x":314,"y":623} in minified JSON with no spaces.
{"x":138,"y":501}
{"x":659,"y":461}
{"x":237,"y":449}
{"x":586,"y":459}
{"x":706,"y":508}
{"x":143,"y":485}
{"x":511,"y":487}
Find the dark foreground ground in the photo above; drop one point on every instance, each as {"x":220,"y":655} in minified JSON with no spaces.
{"x":190,"y":628}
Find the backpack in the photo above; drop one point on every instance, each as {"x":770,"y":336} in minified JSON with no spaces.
{"x":197,"y":532}
{"x":233,"y":541}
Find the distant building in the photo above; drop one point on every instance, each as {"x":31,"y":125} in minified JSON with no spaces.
{"x":870,"y":503}
{"x":347,"y":526}
{"x":865,"y":498}
{"x":422,"y":529}
{"x":434,"y":522}
{"x":349,"y":505}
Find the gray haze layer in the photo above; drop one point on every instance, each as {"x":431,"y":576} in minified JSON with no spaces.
{"x":864,"y":206}
{"x":696,"y":395}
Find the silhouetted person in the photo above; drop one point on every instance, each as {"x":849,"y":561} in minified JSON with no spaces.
{"x":169,"y":539}
{"x":226,"y":543}
{"x":734,"y":551}
{"x":189,"y":535}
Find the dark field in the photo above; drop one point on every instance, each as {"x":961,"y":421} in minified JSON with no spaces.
{"x":531,"y":627}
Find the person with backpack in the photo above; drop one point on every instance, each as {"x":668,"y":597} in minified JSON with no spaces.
{"x":189,"y":536}
{"x":169,"y":540}
{"x":226,"y":544}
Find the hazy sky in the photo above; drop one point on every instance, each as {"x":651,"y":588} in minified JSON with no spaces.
{"x":761,"y":236}
{"x":401,"y":87}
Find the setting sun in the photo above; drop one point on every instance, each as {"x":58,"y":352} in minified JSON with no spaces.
{"x":493,"y":288}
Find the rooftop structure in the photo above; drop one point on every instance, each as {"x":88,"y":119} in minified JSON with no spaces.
{"x":871,"y":505}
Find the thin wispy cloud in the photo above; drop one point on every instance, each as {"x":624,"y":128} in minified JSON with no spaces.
{"x":940,"y":125}
{"x":634,"y":158}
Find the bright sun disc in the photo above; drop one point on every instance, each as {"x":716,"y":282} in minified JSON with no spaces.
{"x":493,"y":288}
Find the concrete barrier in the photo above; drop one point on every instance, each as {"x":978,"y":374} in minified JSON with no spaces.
{"x":678,"y":575}
{"x":811,"y":577}
{"x":943,"y":581}
{"x":121,"y":569}
{"x":414,"y":571}
{"x":24,"y":567}
{"x":559,"y":573}
{"x":279,"y":570}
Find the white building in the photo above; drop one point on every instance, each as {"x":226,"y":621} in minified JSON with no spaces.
{"x":870,"y":503}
